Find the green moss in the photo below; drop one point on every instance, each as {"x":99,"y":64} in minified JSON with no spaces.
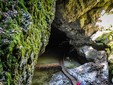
{"x":107,"y":39}
{"x":25,"y":31}
{"x":86,"y":11}
{"x":22,"y":42}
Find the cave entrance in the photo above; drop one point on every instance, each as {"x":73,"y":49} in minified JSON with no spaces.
{"x":58,"y":42}
{"x":57,"y":48}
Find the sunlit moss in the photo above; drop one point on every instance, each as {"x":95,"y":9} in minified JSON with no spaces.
{"x":85,"y":11}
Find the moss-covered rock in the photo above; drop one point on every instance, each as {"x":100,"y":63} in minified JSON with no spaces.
{"x":107,"y":39}
{"x":25,"y":30}
{"x":24,"y":33}
{"x":77,"y":18}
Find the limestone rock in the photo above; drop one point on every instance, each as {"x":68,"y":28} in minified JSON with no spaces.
{"x":77,"y":19}
{"x":89,"y":73}
{"x":104,"y":36}
{"x":90,"y":53}
{"x":59,"y":79}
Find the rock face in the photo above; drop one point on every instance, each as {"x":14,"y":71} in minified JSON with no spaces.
{"x":106,"y":39}
{"x":24,"y":33}
{"x":90,"y":74}
{"x":25,"y":29}
{"x":90,"y":53}
{"x":104,"y":36}
{"x":77,"y":19}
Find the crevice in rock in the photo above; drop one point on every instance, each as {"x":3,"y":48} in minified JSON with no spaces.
{"x":71,"y":38}
{"x":60,"y":40}
{"x":57,"y":48}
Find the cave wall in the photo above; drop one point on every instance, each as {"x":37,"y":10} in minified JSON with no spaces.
{"x":77,"y":18}
{"x":24,"y":32}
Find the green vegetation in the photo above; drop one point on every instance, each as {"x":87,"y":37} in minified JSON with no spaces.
{"x":107,"y":39}
{"x":85,"y":11}
{"x":24,"y":30}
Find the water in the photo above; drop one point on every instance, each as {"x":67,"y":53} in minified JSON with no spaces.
{"x":43,"y":76}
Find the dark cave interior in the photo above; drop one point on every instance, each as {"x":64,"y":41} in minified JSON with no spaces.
{"x":59,"y":44}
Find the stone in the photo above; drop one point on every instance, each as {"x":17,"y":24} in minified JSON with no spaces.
{"x":59,"y":79}
{"x":103,"y":36}
{"x":77,"y":19}
{"x":71,"y":63}
{"x":24,"y":34}
{"x":92,"y":73}
{"x":99,"y":33}
{"x":90,"y":53}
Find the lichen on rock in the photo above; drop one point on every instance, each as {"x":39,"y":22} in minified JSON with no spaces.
{"x":24,"y":33}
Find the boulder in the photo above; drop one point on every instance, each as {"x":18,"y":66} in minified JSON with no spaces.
{"x":90,"y":53}
{"x":92,"y":73}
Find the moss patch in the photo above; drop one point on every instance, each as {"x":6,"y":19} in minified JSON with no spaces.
{"x":24,"y":30}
